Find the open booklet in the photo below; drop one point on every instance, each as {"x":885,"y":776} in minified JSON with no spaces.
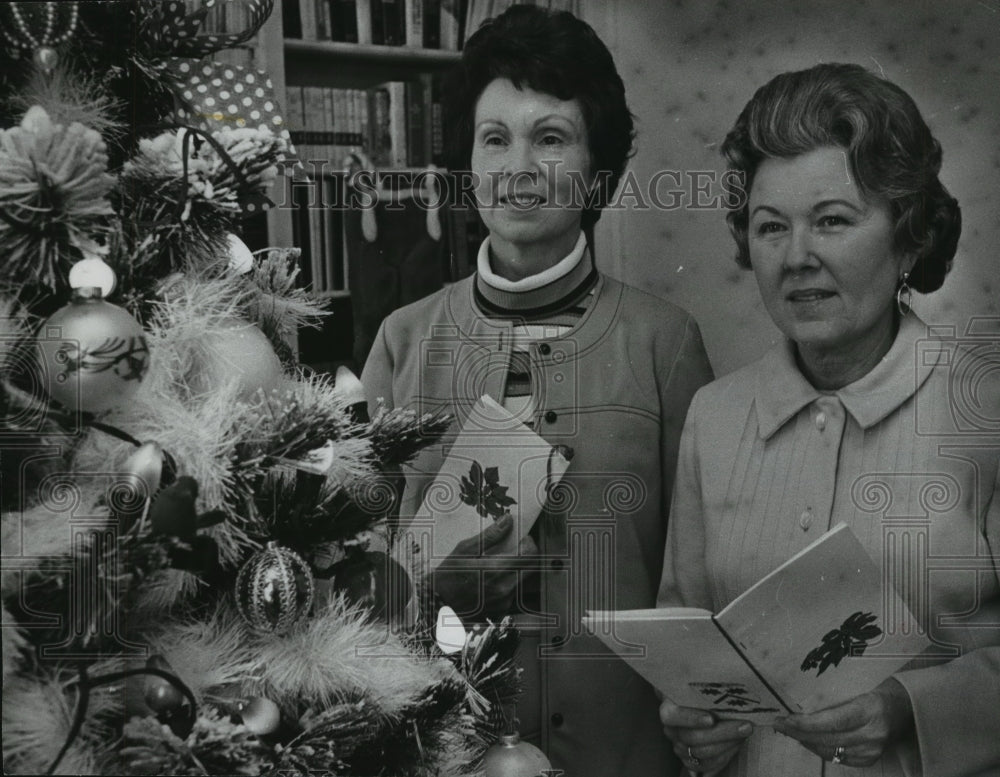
{"x":819,"y":630}
{"x":496,"y":466}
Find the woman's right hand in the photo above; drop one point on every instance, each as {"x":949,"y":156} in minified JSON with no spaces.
{"x":480,"y":575}
{"x":703,"y":743}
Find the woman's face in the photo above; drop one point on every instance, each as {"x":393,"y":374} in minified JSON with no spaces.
{"x":823,"y":256}
{"x":532,"y":166}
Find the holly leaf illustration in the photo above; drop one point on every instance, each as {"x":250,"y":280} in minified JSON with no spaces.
{"x":482,"y":489}
{"x":851,"y":639}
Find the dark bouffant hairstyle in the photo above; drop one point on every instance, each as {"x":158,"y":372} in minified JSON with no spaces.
{"x":555,"y":53}
{"x":892,"y":153}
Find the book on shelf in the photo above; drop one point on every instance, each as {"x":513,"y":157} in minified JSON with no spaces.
{"x":323,"y":29}
{"x":343,"y":20}
{"x":819,"y":630}
{"x":432,"y":24}
{"x":364,"y":21}
{"x":307,"y":12}
{"x":398,"y":124}
{"x":451,"y":24}
{"x":437,"y":135}
{"x":414,"y":16}
{"x":398,"y":150}
{"x":291,"y":19}
{"x":378,"y":22}
{"x":418,"y":137}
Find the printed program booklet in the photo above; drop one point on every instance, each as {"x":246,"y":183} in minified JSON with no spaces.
{"x":819,"y":630}
{"x":497,"y":465}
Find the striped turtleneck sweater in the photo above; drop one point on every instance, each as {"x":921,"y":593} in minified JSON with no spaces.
{"x":541,"y":306}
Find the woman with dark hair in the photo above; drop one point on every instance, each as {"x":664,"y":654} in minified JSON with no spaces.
{"x":858,"y":417}
{"x":542,"y":127}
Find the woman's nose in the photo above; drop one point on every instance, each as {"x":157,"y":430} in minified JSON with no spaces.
{"x":800,"y":251}
{"x":520,"y":158}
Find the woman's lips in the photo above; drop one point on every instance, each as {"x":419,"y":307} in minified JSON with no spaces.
{"x":809,"y":295}
{"x":523,"y":201}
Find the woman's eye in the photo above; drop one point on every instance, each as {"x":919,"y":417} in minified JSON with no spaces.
{"x":832,"y":221}
{"x":493,"y":139}
{"x":769,"y":228}
{"x":551,"y":139}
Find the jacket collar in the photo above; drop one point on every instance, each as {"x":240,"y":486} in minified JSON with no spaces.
{"x":782,"y":390}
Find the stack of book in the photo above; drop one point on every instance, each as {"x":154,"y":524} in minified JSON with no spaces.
{"x":398,"y":124}
{"x":431,"y":24}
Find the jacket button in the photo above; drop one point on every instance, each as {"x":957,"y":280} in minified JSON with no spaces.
{"x":551,"y":416}
{"x":806,"y":519}
{"x":545,"y":349}
{"x":557,"y":719}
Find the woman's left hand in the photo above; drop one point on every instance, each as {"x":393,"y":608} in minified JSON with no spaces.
{"x":861,"y":730}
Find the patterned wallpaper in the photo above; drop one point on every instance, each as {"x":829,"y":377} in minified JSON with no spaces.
{"x":690,"y":66}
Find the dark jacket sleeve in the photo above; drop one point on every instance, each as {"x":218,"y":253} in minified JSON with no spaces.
{"x":689,"y":371}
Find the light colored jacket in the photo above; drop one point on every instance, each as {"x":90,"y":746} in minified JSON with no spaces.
{"x":615,"y":388}
{"x":909,"y":457}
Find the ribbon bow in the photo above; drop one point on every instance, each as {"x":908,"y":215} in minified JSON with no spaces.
{"x":212,"y":95}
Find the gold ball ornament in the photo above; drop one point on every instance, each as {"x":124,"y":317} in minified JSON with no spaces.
{"x":238,"y":351}
{"x":510,"y":757}
{"x":274,"y":590}
{"x":94,"y":353}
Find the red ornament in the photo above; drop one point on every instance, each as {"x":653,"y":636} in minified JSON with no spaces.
{"x":94,"y":353}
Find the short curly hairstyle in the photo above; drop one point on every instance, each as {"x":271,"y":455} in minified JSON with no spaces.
{"x":892,"y":153}
{"x":555,"y":53}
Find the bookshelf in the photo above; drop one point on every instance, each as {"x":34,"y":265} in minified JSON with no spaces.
{"x":359,"y":65}
{"x":301,"y":68}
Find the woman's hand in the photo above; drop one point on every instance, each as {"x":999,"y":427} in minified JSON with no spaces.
{"x":863,"y":729}
{"x":480,"y":575}
{"x":703,"y":743}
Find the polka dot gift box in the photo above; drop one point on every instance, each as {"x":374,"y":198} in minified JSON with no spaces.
{"x":212,"y":95}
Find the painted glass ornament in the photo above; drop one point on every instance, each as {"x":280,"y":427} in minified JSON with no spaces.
{"x":94,"y":353}
{"x":274,"y":589}
{"x":510,"y":757}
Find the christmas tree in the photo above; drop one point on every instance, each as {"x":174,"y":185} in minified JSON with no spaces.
{"x":197,"y":570}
